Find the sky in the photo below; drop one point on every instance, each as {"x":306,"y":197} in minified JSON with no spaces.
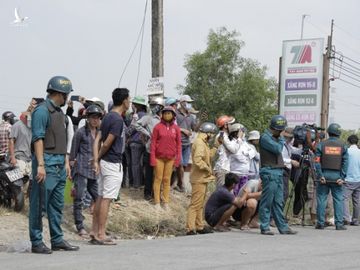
{"x":90,"y":41}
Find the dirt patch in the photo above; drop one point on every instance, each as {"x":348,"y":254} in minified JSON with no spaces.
{"x":135,"y":218}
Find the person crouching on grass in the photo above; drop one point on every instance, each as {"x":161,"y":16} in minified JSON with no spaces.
{"x":165,"y":152}
{"x":201,"y":174}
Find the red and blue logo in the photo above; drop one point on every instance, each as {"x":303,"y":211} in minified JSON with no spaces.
{"x":302,"y":54}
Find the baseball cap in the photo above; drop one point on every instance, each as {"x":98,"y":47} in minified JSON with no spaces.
{"x":186,"y":98}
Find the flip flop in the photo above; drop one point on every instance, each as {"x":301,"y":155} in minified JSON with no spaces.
{"x":94,"y":241}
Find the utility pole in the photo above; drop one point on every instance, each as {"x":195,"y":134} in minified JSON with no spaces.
{"x":157,"y":36}
{"x":326,"y":80}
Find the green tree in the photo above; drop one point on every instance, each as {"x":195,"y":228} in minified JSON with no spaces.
{"x":222,"y":82}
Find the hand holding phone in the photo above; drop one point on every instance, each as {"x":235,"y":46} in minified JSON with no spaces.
{"x":75,"y":98}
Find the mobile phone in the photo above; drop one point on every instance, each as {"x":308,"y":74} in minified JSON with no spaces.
{"x":38,"y":100}
{"x":221,"y":134}
{"x":75,"y":98}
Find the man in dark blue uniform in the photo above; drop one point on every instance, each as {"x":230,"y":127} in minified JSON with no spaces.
{"x":50,"y":167}
{"x":331,"y":162}
{"x":271,"y":174}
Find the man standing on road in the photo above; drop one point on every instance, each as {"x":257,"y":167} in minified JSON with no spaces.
{"x":187,"y":124}
{"x":352,"y":183}
{"x":81,"y":156}
{"x":50,"y":167}
{"x":331,"y":163}
{"x":108,"y":151}
{"x":271,"y":174}
{"x":201,"y":174}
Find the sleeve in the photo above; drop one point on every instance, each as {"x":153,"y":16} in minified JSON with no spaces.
{"x":116,"y":127}
{"x":39,"y":123}
{"x":70,"y":134}
{"x":344,"y":164}
{"x":141,"y":124}
{"x":75,"y":145}
{"x":178,"y":146}
{"x":198,"y":155}
{"x":270,"y":144}
{"x":154,"y":138}
{"x":14,"y":132}
{"x":318,"y":154}
{"x":231,"y":146}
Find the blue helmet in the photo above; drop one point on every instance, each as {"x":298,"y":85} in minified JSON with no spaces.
{"x":170,"y":101}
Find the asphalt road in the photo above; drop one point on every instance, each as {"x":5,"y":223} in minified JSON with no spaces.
{"x":309,"y":249}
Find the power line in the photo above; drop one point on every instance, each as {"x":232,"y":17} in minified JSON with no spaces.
{"x":136,"y":43}
{"x":350,"y":59}
{"x":347,"y":70}
{"x":141,"y":46}
{"x":357,"y":86}
{"x":346,"y":75}
{"x":345,"y":31}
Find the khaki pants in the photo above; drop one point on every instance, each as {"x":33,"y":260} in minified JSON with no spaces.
{"x":195,"y":216}
{"x":163,"y":170}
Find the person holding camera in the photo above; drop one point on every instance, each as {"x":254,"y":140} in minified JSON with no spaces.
{"x":271,"y":174}
{"x":331,"y":163}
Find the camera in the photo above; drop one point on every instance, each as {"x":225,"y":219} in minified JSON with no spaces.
{"x":305,"y":134}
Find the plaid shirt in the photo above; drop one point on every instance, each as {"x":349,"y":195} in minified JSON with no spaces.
{"x":5,"y":128}
{"x":82,"y":153}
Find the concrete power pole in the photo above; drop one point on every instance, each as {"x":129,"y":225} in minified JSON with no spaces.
{"x":157,"y":43}
{"x":326,"y":81}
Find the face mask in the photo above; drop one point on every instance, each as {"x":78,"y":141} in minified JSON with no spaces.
{"x":188,"y":106}
{"x":28,"y":121}
{"x":167,"y":117}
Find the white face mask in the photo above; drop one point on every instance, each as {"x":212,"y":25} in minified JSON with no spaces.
{"x":28,"y":121}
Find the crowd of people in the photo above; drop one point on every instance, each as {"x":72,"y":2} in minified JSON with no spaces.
{"x":138,"y":144}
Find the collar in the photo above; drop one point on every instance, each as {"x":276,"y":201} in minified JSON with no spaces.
{"x":354,"y":146}
{"x":52,"y":106}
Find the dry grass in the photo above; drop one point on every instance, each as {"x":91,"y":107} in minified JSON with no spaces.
{"x":138,"y":218}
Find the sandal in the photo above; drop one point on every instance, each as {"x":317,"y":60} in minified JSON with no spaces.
{"x":221,"y":229}
{"x":105,"y":242}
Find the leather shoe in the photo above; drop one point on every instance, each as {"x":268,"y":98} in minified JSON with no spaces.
{"x":205,"y":230}
{"x":341,"y":228}
{"x":267,"y":232}
{"x":64,"y":246}
{"x":289,"y":231}
{"x":319,"y":227}
{"x":41,"y":249}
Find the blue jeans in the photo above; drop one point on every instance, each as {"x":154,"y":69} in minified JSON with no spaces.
{"x":82,"y":184}
{"x":185,"y":154}
{"x":272,"y":199}
{"x":322,"y":192}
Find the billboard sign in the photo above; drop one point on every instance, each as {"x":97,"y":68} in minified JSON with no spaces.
{"x":301,"y":81}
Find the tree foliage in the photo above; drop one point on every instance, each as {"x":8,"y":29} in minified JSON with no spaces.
{"x":222,"y":82}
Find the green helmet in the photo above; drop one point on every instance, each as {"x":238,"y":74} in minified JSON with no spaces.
{"x":60,"y":84}
{"x":208,"y":127}
{"x":334,"y":129}
{"x":139,"y":100}
{"x":278,"y":122}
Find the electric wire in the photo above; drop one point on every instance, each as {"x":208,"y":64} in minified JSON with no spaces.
{"x":346,"y":69}
{"x":346,"y":75}
{"x":141,"y":46}
{"x":347,"y":32}
{"x":136,"y":43}
{"x":350,"y":83}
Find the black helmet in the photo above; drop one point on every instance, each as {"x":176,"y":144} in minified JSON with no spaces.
{"x":208,"y":127}
{"x":278,"y":122}
{"x":94,"y":109}
{"x":334,"y":129}
{"x":60,"y":84}
{"x":8,"y":116}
